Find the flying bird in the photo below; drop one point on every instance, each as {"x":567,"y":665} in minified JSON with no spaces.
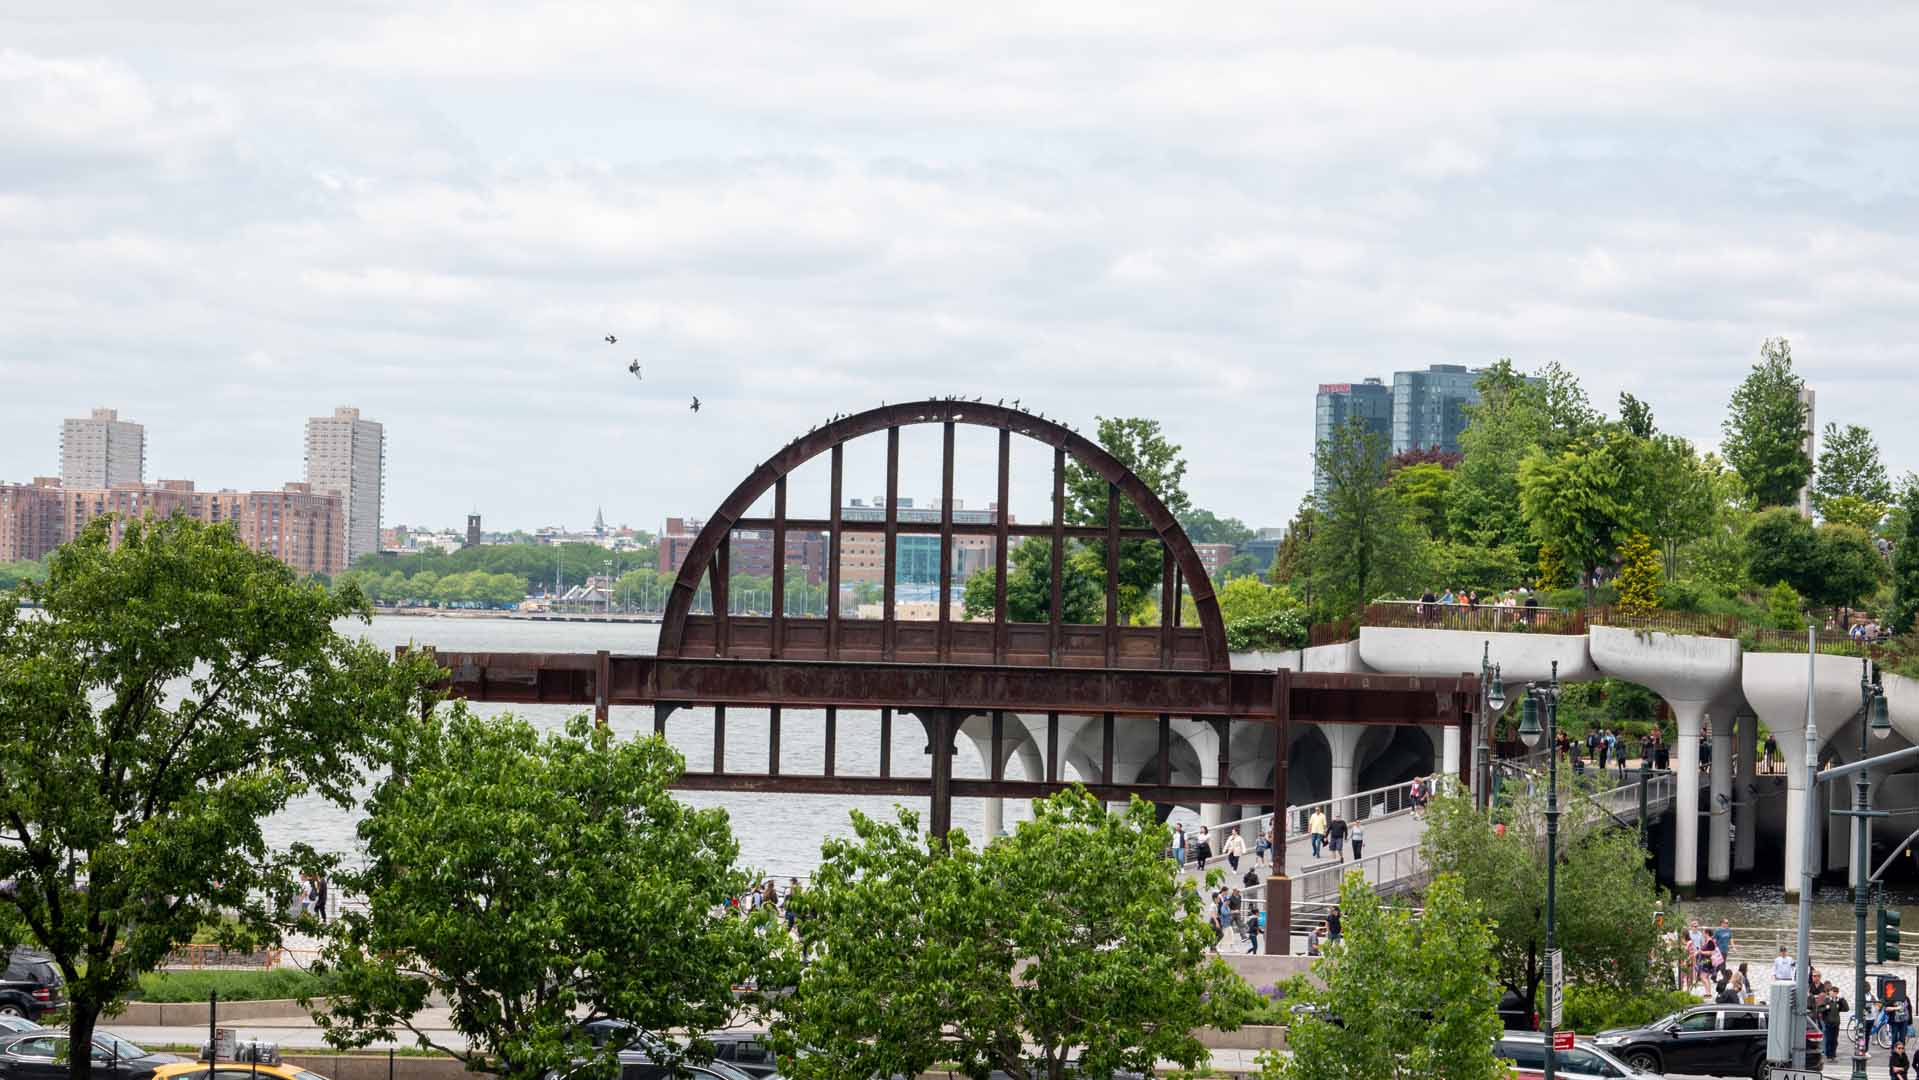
{"x":633,"y":369}
{"x":696,"y":404}
{"x":611,"y":340}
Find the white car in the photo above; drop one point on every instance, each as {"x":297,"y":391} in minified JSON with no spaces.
{"x":1527,"y":1052}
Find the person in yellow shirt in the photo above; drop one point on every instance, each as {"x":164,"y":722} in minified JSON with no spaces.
{"x":1316,"y":825}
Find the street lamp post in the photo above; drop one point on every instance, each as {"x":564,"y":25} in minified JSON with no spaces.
{"x":1492,"y":700}
{"x":1529,"y":733}
{"x":1873,"y":722}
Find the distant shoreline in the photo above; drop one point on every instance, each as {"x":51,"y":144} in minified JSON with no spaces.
{"x":523,"y":616}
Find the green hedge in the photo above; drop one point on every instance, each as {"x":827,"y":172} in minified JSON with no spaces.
{"x":166,"y":986}
{"x":1596,"y":1008}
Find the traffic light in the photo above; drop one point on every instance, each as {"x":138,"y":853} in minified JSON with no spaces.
{"x":1888,"y":934}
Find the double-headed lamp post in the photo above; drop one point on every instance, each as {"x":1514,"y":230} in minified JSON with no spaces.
{"x":1530,"y":733}
{"x":1873,"y":719}
{"x":1493,"y":694}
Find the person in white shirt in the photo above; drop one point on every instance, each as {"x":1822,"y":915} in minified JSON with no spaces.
{"x":1782,"y":966}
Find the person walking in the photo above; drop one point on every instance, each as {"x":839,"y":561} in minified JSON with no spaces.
{"x":1898,"y":1066}
{"x":1255,"y":926}
{"x":1336,"y":835}
{"x":1899,"y":1014}
{"x":1356,"y":836}
{"x":1179,"y":845}
{"x":1722,"y":937}
{"x":1316,"y":826}
{"x":1833,"y":1006}
{"x":1333,"y":927}
{"x":1782,"y":966}
{"x":1234,"y":847}
{"x":1204,"y":851}
{"x":1772,"y":750}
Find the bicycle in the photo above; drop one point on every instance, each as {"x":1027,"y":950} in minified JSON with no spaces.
{"x":1879,"y":1026}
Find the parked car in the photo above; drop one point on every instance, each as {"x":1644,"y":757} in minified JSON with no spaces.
{"x":13,"y":1025}
{"x":43,"y":1055}
{"x":637,"y":1064}
{"x":1582,"y":1062}
{"x":31,"y":986}
{"x":252,"y":1060}
{"x":746,"y":1051}
{"x":1709,"y":1040}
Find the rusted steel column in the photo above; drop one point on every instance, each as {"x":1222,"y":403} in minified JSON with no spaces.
{"x":659,"y":720}
{"x":834,"y":530}
{"x":832,"y":737}
{"x":1279,"y":887}
{"x":1112,"y":574}
{"x":1223,"y":728}
{"x":1052,"y":748}
{"x":778,"y":638}
{"x":941,"y":731}
{"x":997,"y":767}
{"x":1168,"y":606}
{"x":945,"y":631}
{"x":719,"y":738}
{"x":886,"y":742}
{"x":600,"y":709}
{"x":1165,"y":749}
{"x":1000,"y":544}
{"x":1059,"y":552}
{"x":888,"y":628}
{"x":721,"y":570}
{"x":773,"y":741}
{"x":1106,"y":748}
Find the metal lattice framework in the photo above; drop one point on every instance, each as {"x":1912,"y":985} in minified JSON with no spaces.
{"x":1055,"y":643}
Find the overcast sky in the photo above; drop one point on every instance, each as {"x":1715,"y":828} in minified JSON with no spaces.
{"x":228,"y":219}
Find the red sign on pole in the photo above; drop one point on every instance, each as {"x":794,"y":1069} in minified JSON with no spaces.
{"x":1562,"y":1040}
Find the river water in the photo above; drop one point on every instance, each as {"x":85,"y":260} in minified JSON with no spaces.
{"x":778,"y":834}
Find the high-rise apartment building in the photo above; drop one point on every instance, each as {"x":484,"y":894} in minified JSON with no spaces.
{"x":1369,"y":401}
{"x":346,"y":456}
{"x":1429,"y":407}
{"x":102,"y":450}
{"x":295,"y":525}
{"x":29,"y":519}
{"x":916,"y":556}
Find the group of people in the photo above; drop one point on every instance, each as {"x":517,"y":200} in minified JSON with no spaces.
{"x":313,"y":895}
{"x":1229,"y":910}
{"x":1332,"y":834}
{"x":1708,"y":964}
{"x":1613,"y":746}
{"x":1435,"y":608}
{"x":1327,"y":932}
{"x":767,"y":894}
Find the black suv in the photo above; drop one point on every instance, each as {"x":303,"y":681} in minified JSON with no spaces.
{"x":30,"y":986}
{"x":1710,"y":1040}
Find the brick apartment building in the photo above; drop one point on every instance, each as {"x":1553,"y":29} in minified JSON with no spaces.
{"x":295,"y":525}
{"x":749,"y":552}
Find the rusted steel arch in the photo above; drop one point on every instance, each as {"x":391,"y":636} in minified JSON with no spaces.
{"x":1090,"y":455}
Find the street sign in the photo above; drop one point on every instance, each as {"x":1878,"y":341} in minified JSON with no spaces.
{"x":1795,"y":1074}
{"x":1556,"y":978}
{"x":1562,"y":1040}
{"x":225,"y":1042}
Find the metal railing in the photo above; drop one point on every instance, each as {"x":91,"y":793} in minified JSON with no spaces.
{"x":1501,"y":618}
{"x":1375,"y":804}
{"x":1387,"y":869}
{"x":1495,"y":618}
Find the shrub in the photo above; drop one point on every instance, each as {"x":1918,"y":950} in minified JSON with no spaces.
{"x":271,"y":985}
{"x":1783,"y":607}
{"x":1270,"y":630}
{"x":1639,"y":575}
{"x":1596,"y":1008}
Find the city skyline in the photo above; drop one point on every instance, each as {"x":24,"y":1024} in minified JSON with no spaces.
{"x":1101,"y":214}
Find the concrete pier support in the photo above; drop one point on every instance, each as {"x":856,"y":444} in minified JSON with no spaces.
{"x":1719,"y":833}
{"x":1343,"y":739}
{"x":1687,"y":717}
{"x":1775,"y":687}
{"x":1745,"y":833}
{"x":1449,"y":750}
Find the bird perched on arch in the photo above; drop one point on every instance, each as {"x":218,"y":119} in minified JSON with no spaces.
{"x":696,"y":403}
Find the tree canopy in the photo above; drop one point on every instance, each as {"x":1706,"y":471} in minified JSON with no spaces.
{"x":1029,"y":585}
{"x":174,"y":691}
{"x":1365,"y":543}
{"x":536,"y":883}
{"x":1905,"y":566}
{"x":1765,"y":428}
{"x":1851,"y":483}
{"x":1583,"y":500}
{"x":1073,"y":937}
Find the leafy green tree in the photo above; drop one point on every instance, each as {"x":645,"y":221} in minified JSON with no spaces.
{"x":1849,"y":567}
{"x":1675,"y":493}
{"x":14,"y":573}
{"x":1366,"y":542}
{"x":1260,"y":616}
{"x":1765,"y":429}
{"x":1502,"y":428}
{"x":1290,"y":559}
{"x":1466,"y":566}
{"x":1849,"y":468}
{"x":1029,"y":586}
{"x":1399,"y":998}
{"x":1781,"y":546}
{"x":1636,"y":416}
{"x":1567,"y":412}
{"x":1854,"y":511}
{"x":175,"y":690}
{"x":1206,"y":527}
{"x":1239,"y":566}
{"x":1138,"y":444}
{"x":1073,"y":936}
{"x":1785,"y":607}
{"x":1905,"y":566}
{"x":1424,"y":489}
{"x":1582,"y":500}
{"x":1607,"y":897}
{"x":536,"y":883}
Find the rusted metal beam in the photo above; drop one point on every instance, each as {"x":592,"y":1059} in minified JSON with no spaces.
{"x":945,"y":612}
{"x":1052,"y":747}
{"x":1053,"y":615}
{"x":889,"y":627}
{"x":834,"y":539}
{"x":1106,"y":748}
{"x":996,"y":766}
{"x":601,"y":709}
{"x":922,"y":786}
{"x":832,"y":738}
{"x":722,"y":574}
{"x":886,"y":742}
{"x":773,"y":740}
{"x":719,"y":738}
{"x":778,"y":602}
{"x":1168,"y":607}
{"x":1112,"y":575}
{"x":1165,"y":749}
{"x":1279,"y":887}
{"x":960,"y":528}
{"x":941,"y":793}
{"x":1001,"y":545}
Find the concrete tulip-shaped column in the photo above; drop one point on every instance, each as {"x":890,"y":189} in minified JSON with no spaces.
{"x":1745,"y":799}
{"x":1719,"y":831}
{"x":1344,"y":741}
{"x":1775,"y":687}
{"x":1690,"y":673}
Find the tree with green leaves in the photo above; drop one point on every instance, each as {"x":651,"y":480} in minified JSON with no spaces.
{"x":174,"y":691}
{"x":1639,"y":574}
{"x":1206,"y":527}
{"x":1509,"y":420}
{"x":1291,"y":563}
{"x":1607,"y":896}
{"x":1424,"y":489}
{"x":1905,"y":566}
{"x":1567,"y":413}
{"x":536,"y":883}
{"x":1398,"y":998}
{"x":1851,"y":484}
{"x":1636,"y":416}
{"x":1675,"y":494}
{"x":1849,"y":568}
{"x":1582,"y":500}
{"x":1765,"y":429}
{"x":1366,"y":542}
{"x":1782,"y":546}
{"x":1072,"y":940}
{"x":1138,"y":444}
{"x":1029,"y":585}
